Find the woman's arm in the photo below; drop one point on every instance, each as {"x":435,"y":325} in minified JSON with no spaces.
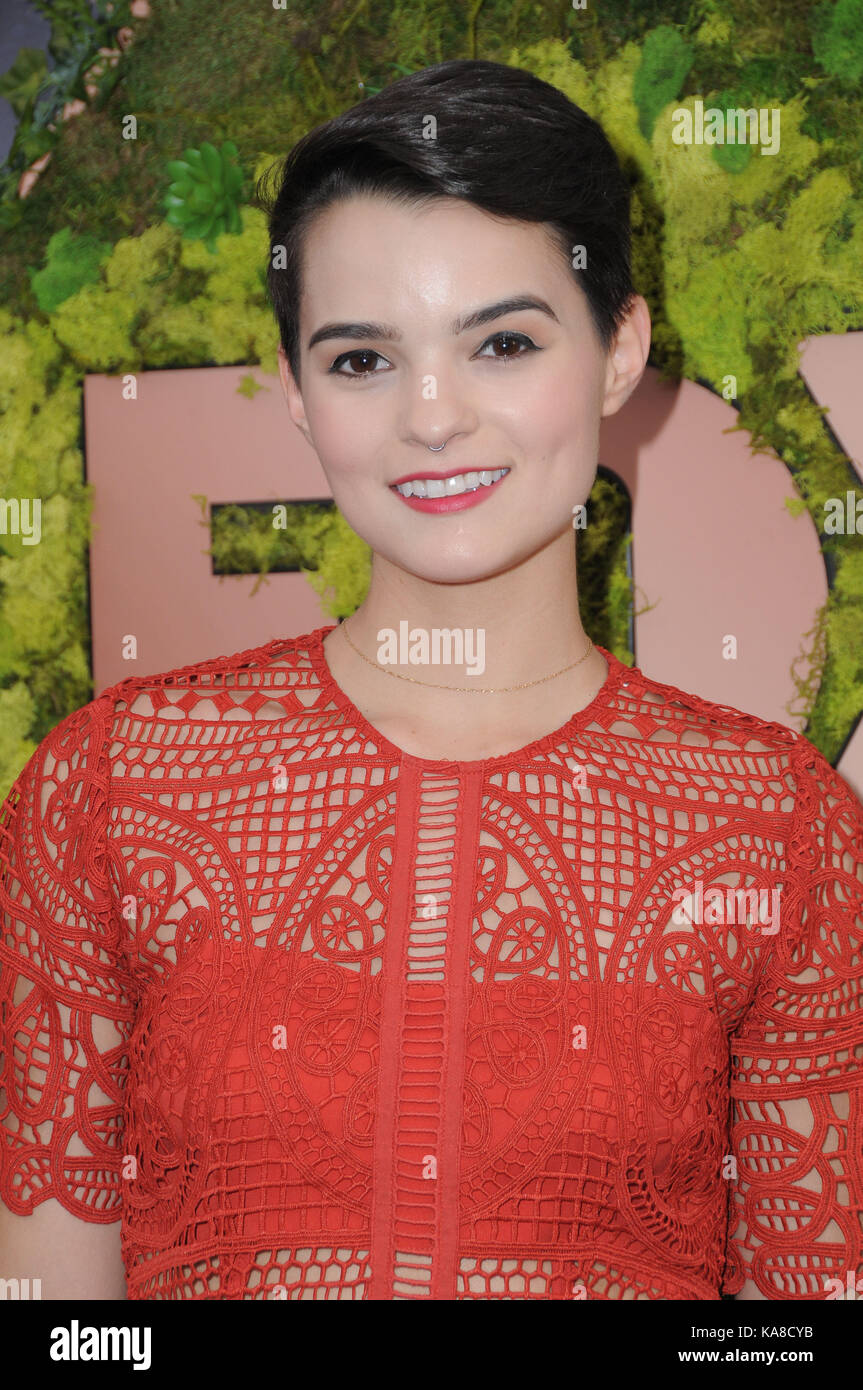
{"x":71,"y":1258}
{"x":66,"y":1011}
{"x":798,"y":1119}
{"x":796,"y":1083}
{"x":749,"y":1293}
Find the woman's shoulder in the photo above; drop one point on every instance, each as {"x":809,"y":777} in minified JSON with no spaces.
{"x":246,"y":677}
{"x":673,"y":742}
{"x":668,"y":736}
{"x":663,"y":715}
{"x":274,"y":680}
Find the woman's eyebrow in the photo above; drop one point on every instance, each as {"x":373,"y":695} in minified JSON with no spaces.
{"x":474,"y":319}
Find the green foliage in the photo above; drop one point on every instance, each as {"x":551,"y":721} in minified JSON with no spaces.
{"x":625,"y":20}
{"x":21,"y":83}
{"x":604,"y":587}
{"x":17,"y":712}
{"x":218,"y":312}
{"x":343,"y":567}
{"x":665,"y":61}
{"x":118,"y":323}
{"x":38,"y":95}
{"x":837,"y":38}
{"x":78,"y":26}
{"x":246,"y":540}
{"x":44,"y":639}
{"x":162,"y":301}
{"x":77,"y":33}
{"x":317,"y":541}
{"x":203,"y":199}
{"x":838,"y":703}
{"x":807,"y":680}
{"x":715,"y":30}
{"x":732,"y":156}
{"x":70,"y":262}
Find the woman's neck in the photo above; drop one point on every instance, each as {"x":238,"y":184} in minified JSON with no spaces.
{"x":518,"y":627}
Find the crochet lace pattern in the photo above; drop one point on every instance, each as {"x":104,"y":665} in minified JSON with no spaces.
{"x":317,"y":1018}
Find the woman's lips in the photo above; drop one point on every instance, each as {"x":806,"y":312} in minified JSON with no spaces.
{"x":458,"y":503}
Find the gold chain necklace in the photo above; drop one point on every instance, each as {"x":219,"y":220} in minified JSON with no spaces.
{"x":463,"y":690}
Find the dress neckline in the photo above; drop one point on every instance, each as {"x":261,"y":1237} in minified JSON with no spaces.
{"x":616,"y":673}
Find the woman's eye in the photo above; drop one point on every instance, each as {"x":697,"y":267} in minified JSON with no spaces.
{"x":520,"y":340}
{"x":353,"y":358}
{"x":359,"y":356}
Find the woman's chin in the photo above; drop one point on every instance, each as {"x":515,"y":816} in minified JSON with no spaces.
{"x":450,"y":569}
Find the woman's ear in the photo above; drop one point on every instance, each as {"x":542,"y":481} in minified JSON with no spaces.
{"x":293,"y":395}
{"x":628,"y":356}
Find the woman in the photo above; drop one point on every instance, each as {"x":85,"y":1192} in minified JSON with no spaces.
{"x":436,"y":954}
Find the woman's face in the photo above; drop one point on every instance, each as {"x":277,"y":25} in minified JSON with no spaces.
{"x":523,"y":390}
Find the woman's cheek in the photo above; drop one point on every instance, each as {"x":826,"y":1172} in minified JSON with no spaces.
{"x":339,"y":435}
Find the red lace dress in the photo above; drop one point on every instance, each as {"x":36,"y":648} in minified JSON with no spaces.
{"x":320,"y":1019}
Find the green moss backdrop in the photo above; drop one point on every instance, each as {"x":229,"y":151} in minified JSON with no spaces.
{"x":133,"y":254}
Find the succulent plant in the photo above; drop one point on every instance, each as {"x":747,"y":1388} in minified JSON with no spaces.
{"x":203,"y":200}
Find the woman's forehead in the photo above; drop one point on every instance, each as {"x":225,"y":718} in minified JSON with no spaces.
{"x":433,"y":259}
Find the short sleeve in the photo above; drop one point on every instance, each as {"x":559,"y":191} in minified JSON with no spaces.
{"x":66,"y":997}
{"x":796,"y":1201}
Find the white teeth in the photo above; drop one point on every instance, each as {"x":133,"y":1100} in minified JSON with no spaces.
{"x":451,"y":487}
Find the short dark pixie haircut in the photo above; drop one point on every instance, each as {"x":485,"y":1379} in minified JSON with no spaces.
{"x":507,"y":142}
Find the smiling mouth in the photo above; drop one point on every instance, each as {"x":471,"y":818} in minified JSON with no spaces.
{"x":450,"y":487}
